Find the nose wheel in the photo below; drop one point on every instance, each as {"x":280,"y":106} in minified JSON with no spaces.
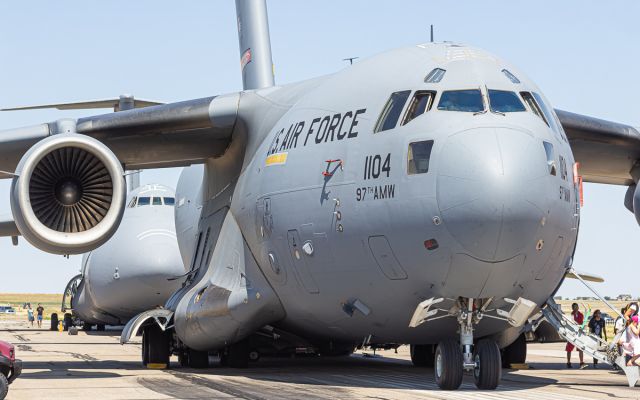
{"x":488,"y":369}
{"x":452,"y":358}
{"x":448,"y":365}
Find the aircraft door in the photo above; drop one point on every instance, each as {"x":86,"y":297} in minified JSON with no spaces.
{"x":297,"y":251}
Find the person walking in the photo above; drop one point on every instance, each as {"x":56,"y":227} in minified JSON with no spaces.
{"x":30,"y":315}
{"x":40,"y":311}
{"x":597,"y":327}
{"x":578,"y":317}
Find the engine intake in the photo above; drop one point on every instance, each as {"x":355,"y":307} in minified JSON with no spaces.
{"x":69,"y":193}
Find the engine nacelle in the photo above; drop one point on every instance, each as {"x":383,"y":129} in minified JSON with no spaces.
{"x":632,"y":201}
{"x":68,"y":195}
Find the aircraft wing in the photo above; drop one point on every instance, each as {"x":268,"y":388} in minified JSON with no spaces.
{"x":167,"y":135}
{"x":606,"y":151}
{"x":7,"y":226}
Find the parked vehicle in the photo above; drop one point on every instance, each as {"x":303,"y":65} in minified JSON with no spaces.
{"x":10,"y":368}
{"x":7,"y":310}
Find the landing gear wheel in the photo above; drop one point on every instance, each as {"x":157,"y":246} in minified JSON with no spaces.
{"x":4,"y":386}
{"x":515,"y":353}
{"x":254,"y":355}
{"x":488,"y":370}
{"x":197,"y":359}
{"x":86,"y":326}
{"x":422,"y":355}
{"x":238,"y":354}
{"x":68,"y":321}
{"x":54,"y":321}
{"x":156,"y":343}
{"x":145,"y":350}
{"x":100,"y":327}
{"x":448,"y":365}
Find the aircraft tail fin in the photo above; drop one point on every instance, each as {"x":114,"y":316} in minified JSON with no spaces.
{"x":255,"y":44}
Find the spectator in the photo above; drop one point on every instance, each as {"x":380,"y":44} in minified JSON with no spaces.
{"x":578,"y":317}
{"x":30,"y":315}
{"x":40,"y":311}
{"x":597,"y":327}
{"x":619,"y":324}
{"x":631,"y":343}
{"x":632,"y":309}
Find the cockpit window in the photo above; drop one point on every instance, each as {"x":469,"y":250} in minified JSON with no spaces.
{"x":144,"y":201}
{"x":169,"y":201}
{"x":392,"y":110}
{"x":421,"y":103}
{"x":511,"y":76}
{"x":533,"y":105}
{"x":418,"y":157}
{"x":503,"y":101}
{"x":461,"y":100}
{"x":551,"y":158}
{"x":435,"y":75}
{"x":157,"y":201}
{"x":132,"y":203}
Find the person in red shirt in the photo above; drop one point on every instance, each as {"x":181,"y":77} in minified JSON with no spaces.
{"x":579,"y":318}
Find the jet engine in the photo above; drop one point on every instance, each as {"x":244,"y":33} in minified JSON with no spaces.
{"x":68,"y":194}
{"x":632,"y":201}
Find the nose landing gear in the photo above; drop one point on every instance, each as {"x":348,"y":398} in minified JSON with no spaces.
{"x":451,"y":357}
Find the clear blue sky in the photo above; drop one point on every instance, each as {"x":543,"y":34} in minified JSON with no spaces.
{"x":584,"y":56}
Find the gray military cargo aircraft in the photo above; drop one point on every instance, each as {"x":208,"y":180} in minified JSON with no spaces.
{"x":137,"y":269}
{"x":429,"y":195}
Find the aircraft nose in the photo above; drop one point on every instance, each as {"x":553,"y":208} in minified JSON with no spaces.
{"x":489,"y":191}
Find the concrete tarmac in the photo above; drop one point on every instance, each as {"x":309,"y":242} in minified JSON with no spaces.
{"x":95,"y":366}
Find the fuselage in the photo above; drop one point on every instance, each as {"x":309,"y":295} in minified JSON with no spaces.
{"x":392,"y":182}
{"x":136,"y":269}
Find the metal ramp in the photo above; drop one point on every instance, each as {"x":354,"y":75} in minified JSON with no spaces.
{"x":590,"y":344}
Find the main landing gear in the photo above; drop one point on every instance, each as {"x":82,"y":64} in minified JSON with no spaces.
{"x":236,"y":355}
{"x":155,"y":347}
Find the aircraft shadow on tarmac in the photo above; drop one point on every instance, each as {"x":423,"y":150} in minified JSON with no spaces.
{"x":355,"y":371}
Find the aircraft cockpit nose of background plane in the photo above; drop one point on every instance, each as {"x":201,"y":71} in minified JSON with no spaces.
{"x":492,"y":190}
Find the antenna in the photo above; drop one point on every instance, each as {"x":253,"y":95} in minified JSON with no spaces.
{"x":350,"y":59}
{"x":431,"y":33}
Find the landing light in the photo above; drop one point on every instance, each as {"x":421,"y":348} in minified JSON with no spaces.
{"x":431,"y":244}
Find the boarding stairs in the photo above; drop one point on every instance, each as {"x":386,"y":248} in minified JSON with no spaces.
{"x":580,"y":337}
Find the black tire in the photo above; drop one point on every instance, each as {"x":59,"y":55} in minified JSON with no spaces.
{"x":86,"y":326}
{"x":4,"y":386}
{"x":67,"y":322}
{"x":54,"y":321}
{"x":422,"y":355}
{"x":145,"y":350}
{"x":100,"y":327}
{"x":197,"y":359}
{"x":448,"y":365}
{"x":224,"y":360}
{"x":515,"y":353}
{"x":254,"y":355}
{"x":488,"y":370}
{"x":238,"y":354}
{"x":157,"y":345}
